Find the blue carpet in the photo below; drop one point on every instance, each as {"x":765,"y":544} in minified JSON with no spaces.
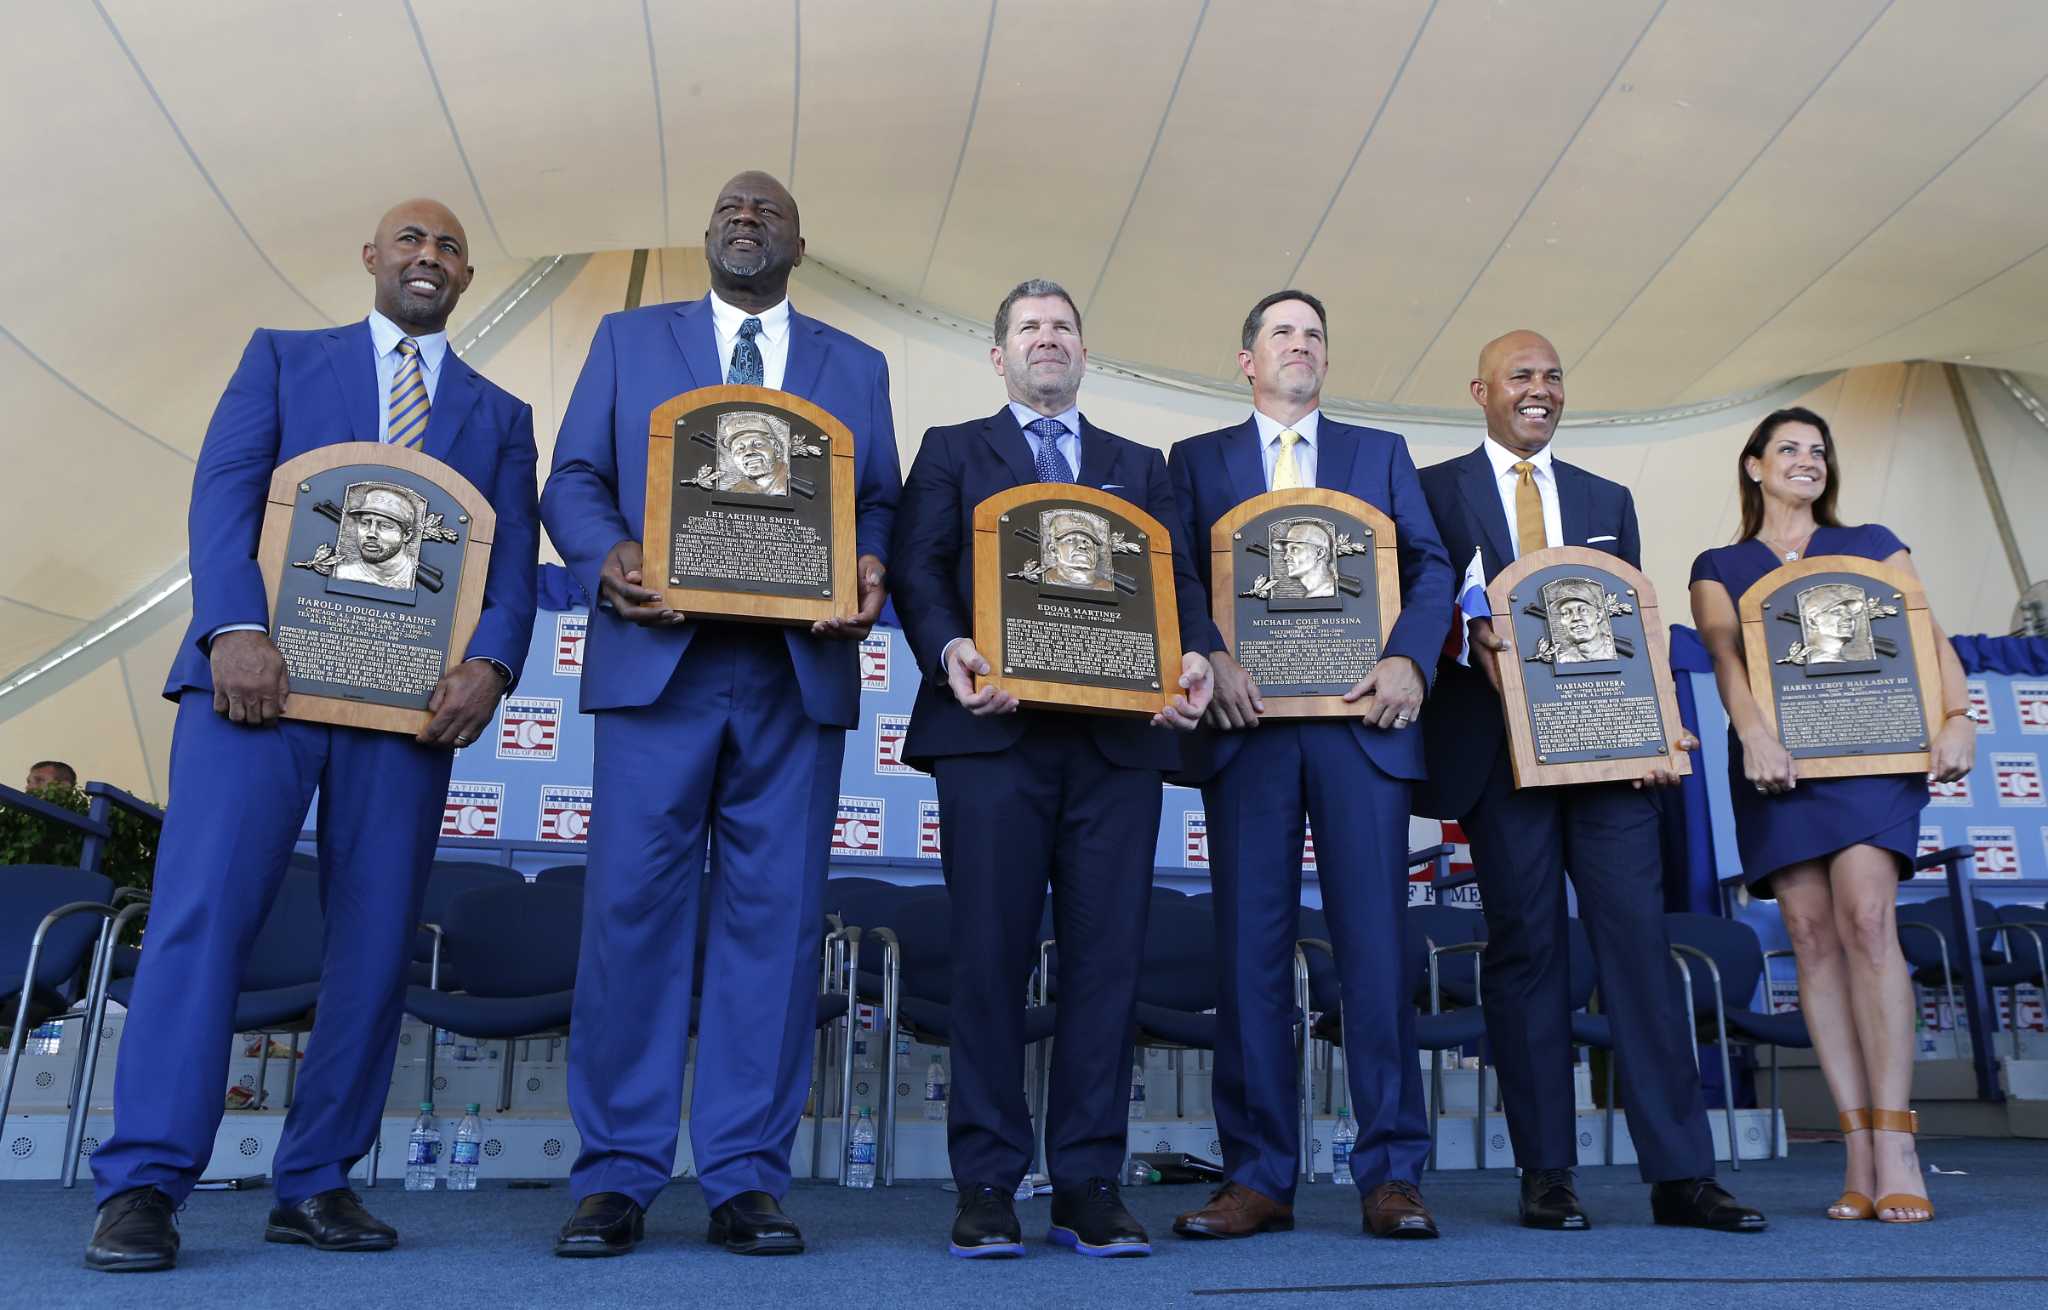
{"x":886,"y":1248}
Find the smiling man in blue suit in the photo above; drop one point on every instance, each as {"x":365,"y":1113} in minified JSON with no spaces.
{"x":1351,"y":780}
{"x":707,"y":730}
{"x":241,"y":778}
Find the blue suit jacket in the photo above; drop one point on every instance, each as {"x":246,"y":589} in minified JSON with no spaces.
{"x":1463,"y":734}
{"x":933,"y":582}
{"x":596,"y":494}
{"x":1217,"y":471}
{"x":294,"y":391}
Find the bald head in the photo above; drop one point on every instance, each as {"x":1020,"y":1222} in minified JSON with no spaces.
{"x":753,"y":241}
{"x":1521,"y":388}
{"x":419,"y":259}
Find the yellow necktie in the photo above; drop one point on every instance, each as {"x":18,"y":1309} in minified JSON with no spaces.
{"x":1529,"y":535}
{"x":1287,"y":473}
{"x":406,"y":408}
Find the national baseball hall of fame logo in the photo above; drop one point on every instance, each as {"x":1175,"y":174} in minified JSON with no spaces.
{"x":570,"y":628}
{"x":2018,"y":774}
{"x":889,"y":733}
{"x":1194,"y":832}
{"x":564,"y":814}
{"x":858,"y":829}
{"x":473,"y":809}
{"x":874,"y":662}
{"x":1955,"y":793}
{"x":927,"y":830}
{"x":530,"y":728}
{"x":1998,"y":852}
{"x":2030,"y":706}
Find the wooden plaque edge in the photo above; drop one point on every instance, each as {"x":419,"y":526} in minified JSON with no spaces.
{"x":1756,"y":658}
{"x":469,"y":598}
{"x":1223,"y":580}
{"x":739,"y":607}
{"x":988,"y":628}
{"x":1529,"y":771}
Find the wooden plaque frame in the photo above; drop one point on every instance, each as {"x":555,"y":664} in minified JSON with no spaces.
{"x":1533,"y":772}
{"x":476,"y":563}
{"x":988,"y":619}
{"x":1756,"y":656}
{"x":741,"y":606}
{"x":1385,"y":564}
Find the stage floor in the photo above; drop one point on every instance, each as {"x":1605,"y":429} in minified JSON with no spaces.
{"x":887,"y":1248}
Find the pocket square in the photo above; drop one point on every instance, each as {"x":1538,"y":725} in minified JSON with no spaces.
{"x":1111,"y":486}
{"x":1591,"y":540}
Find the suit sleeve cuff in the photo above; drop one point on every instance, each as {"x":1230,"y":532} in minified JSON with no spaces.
{"x":234,"y":627}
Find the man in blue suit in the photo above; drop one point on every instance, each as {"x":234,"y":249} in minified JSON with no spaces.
{"x":1350,"y":777}
{"x":1028,"y":794}
{"x":241,"y":778}
{"x":707,"y":730}
{"x":1509,"y":497}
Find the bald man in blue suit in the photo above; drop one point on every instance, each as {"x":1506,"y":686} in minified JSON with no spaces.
{"x":241,"y":779}
{"x":706,"y":730}
{"x":1351,"y":778}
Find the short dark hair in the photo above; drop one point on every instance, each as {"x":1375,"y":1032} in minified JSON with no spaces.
{"x":1752,"y":495}
{"x":70,"y":774}
{"x":1254,"y":320}
{"x":1032,"y":286}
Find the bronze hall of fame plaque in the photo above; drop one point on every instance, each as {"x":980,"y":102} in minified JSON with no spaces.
{"x":1073,"y":600}
{"x":374,"y":559}
{"x":1841,"y":658}
{"x":1586,"y":678}
{"x":750,"y":507}
{"x":1305,"y":586}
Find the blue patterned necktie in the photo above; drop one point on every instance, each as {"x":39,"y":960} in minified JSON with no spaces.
{"x":746,"y":356}
{"x":405,"y":409}
{"x":1050,"y":465}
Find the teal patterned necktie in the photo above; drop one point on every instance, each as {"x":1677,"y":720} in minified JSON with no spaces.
{"x":746,"y":356}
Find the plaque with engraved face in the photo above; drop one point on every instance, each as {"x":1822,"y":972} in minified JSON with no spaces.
{"x":1073,"y":600}
{"x":1841,"y":657}
{"x":1586,"y":679}
{"x":1305,"y":585}
{"x":374,"y":557}
{"x":750,"y":507}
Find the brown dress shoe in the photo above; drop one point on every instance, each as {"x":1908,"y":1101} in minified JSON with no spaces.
{"x":1236,"y":1211}
{"x":1396,"y":1210}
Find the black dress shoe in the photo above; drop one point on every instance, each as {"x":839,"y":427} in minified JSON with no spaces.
{"x":331,"y":1221}
{"x":985,"y":1224}
{"x":1549,"y":1201}
{"x":1702,"y":1203}
{"x":1093,"y":1221}
{"x":605,"y":1223}
{"x":136,"y":1232}
{"x":752,"y":1223}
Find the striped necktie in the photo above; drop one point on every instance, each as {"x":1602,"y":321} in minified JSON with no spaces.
{"x":406,"y":408}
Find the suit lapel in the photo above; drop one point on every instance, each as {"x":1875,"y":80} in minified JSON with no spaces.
{"x":698,"y":342}
{"x":355,"y":372}
{"x":454,"y":397}
{"x":807,"y":350}
{"x":1337,"y":446}
{"x":1482,"y":502}
{"x":1006,"y":439}
{"x":1098,"y":459}
{"x":1244,"y":461}
{"x":1572,"y":506}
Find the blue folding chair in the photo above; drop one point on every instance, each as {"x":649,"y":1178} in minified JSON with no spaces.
{"x":47,"y":936}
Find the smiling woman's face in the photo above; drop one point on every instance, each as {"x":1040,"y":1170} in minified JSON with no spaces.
{"x":1794,"y":464}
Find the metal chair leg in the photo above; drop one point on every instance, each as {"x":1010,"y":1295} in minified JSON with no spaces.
{"x":505,"y":1080}
{"x":1436,"y":1100}
{"x":96,"y":1015}
{"x":291,"y":1073}
{"x":1612,"y":1056}
{"x":1305,"y":1091}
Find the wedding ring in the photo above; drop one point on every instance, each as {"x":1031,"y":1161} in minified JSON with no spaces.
{"x":464,"y":741}
{"x":1400,"y":720}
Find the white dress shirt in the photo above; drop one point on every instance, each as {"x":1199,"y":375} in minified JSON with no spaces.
{"x":772,"y":341}
{"x":1505,"y":480}
{"x":1304,"y":449}
{"x":1069,"y":446}
{"x":384,"y":338}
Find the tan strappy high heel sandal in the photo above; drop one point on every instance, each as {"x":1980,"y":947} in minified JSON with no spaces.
{"x":1852,"y":1205}
{"x":1900,"y":1121}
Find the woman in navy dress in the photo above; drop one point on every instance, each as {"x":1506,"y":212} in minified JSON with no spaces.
{"x":1831,"y":850}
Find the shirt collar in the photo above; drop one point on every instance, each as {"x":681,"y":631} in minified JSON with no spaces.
{"x":385,"y":336}
{"x":1026,"y":416}
{"x":1504,"y":460}
{"x":728,"y":318}
{"x":1270,"y":429}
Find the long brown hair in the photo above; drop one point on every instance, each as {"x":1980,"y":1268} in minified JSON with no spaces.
{"x":1753,"y":494}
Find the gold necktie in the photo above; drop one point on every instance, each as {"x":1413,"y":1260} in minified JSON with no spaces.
{"x":406,"y":409}
{"x":1287,"y":473}
{"x":1529,"y":535}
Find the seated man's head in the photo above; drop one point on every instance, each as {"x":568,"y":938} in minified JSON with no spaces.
{"x":50,"y":773}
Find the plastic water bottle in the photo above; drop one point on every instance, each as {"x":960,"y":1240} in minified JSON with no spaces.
{"x":465,"y":1154}
{"x":1137,"y":1173}
{"x":1138,"y":1089}
{"x":1341,"y":1141}
{"x":423,"y":1151}
{"x":860,"y":1152}
{"x":935,"y":1091}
